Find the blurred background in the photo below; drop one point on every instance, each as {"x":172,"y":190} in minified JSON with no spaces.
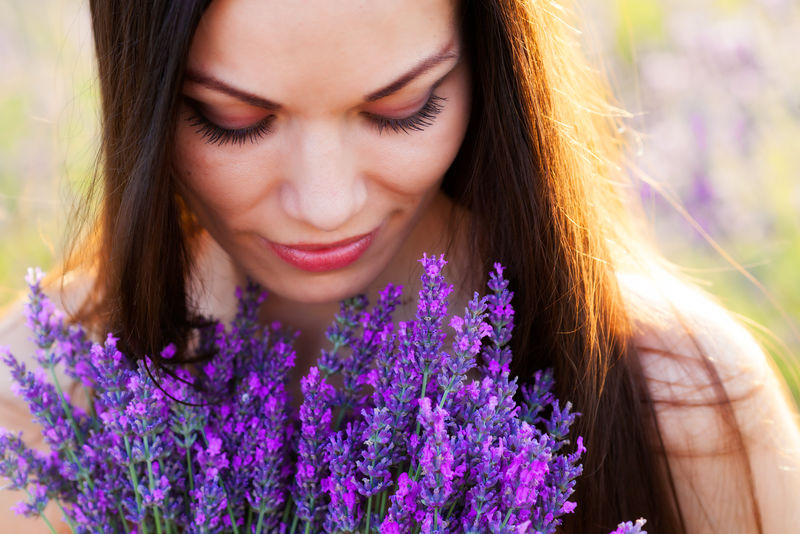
{"x":713,"y":87}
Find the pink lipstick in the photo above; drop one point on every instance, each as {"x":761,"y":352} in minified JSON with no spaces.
{"x":324,"y":257}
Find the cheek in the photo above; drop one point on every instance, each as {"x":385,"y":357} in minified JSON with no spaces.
{"x":416,"y":162}
{"x":214,"y":185}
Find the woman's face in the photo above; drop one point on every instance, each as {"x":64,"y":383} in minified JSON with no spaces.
{"x":313,"y":136}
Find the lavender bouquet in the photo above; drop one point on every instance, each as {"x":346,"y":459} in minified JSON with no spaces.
{"x":407,"y":443}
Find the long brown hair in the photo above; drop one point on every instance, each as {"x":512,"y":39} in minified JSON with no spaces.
{"x":540,"y":173}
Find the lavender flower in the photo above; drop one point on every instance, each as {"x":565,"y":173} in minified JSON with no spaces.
{"x":438,"y":467}
{"x":431,"y":311}
{"x":315,"y":420}
{"x":365,"y":347}
{"x":341,"y":333}
{"x":630,"y":528}
{"x":209,"y":497}
{"x":214,"y":449}
{"x":23,"y":468}
{"x":469,"y":331}
{"x":341,"y":454}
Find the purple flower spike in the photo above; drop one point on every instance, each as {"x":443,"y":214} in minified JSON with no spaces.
{"x":25,"y":469}
{"x":469,"y":331}
{"x":341,"y":453}
{"x":403,"y":508}
{"x":315,"y":422}
{"x":630,"y":528}
{"x":63,"y":426}
{"x":428,"y":335}
{"x":56,"y":342}
{"x":341,"y":333}
{"x":209,"y":495}
{"x":218,"y":448}
{"x":377,"y":456}
{"x":497,"y":356}
{"x":439,"y":471}
{"x":376,"y":325}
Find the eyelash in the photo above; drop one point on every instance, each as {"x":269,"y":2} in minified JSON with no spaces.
{"x":416,"y":122}
{"x":217,"y":135}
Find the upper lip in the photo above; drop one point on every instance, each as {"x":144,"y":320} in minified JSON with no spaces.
{"x":324,"y":246}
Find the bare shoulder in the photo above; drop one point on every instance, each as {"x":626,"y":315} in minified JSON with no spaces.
{"x":675,"y":326}
{"x":694,"y":355}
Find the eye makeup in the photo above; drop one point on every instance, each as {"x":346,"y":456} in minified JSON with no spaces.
{"x":416,"y":122}
{"x":215,"y":134}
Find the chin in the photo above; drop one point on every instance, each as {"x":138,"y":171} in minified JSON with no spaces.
{"x":320,"y":289}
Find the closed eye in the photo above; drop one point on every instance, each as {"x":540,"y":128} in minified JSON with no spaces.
{"x":215,"y":134}
{"x":416,"y":122}
{"x":218,"y":135}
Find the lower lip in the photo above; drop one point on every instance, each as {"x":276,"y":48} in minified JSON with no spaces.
{"x":326,"y":259}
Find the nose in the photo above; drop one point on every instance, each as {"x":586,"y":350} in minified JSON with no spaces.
{"x":322,"y":187}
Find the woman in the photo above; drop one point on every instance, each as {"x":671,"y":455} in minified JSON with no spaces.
{"x":321,"y":147}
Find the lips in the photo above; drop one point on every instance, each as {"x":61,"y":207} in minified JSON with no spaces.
{"x":320,"y":257}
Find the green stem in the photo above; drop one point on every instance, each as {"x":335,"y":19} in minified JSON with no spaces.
{"x":294,"y":524}
{"x":286,"y":510}
{"x":308,"y":524}
{"x":233,"y":519}
{"x":369,"y":511}
{"x":508,"y":516}
{"x":65,"y":406}
{"x":152,"y":483}
{"x":339,"y":417}
{"x":444,"y":396}
{"x":416,"y":431}
{"x":478,"y":515}
{"x":122,"y":518}
{"x":189,"y":469}
{"x":249,"y":522}
{"x":41,"y":514}
{"x":260,"y":521}
{"x":450,"y":510}
{"x":188,"y":500}
{"x":435,"y":519}
{"x":134,"y":481}
{"x":383,"y":504}
{"x":422,"y":394}
{"x":228,"y":505}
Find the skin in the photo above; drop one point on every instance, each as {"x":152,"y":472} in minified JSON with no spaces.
{"x":324,"y":172}
{"x":318,"y":167}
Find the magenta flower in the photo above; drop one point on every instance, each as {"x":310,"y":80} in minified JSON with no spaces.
{"x":408,"y":438}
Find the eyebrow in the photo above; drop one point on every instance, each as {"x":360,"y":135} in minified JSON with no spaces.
{"x":421,"y":68}
{"x":218,"y":85}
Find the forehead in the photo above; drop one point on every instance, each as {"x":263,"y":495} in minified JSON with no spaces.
{"x":282,"y":49}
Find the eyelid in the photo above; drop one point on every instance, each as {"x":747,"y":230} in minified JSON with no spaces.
{"x":417,"y":121}
{"x":208,"y":112}
{"x":405,"y":111}
{"x":431,"y":89}
{"x":215,"y":134}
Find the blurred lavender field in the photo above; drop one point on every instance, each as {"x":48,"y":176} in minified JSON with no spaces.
{"x":713,"y":88}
